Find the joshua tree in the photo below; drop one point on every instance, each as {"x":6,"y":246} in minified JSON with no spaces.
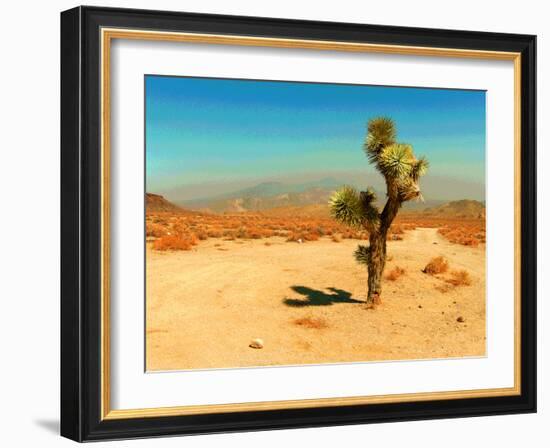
{"x":401,"y":171}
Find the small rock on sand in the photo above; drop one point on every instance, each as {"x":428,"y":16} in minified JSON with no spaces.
{"x":257,"y":343}
{"x":460,"y":319}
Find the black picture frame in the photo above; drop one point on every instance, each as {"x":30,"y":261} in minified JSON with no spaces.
{"x":81,"y":226}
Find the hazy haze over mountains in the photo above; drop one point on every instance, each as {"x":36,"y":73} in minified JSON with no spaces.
{"x":433,"y":187}
{"x":307,"y":189}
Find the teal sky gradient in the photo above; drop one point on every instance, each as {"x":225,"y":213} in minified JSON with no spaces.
{"x":201,"y":130}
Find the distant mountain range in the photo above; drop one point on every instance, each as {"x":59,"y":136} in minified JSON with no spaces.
{"x":464,"y":208}
{"x":269,"y":195}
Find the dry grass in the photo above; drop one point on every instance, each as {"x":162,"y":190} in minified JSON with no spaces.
{"x":462,"y":236}
{"x":395,"y":273}
{"x":437,"y":265}
{"x":240,"y":226}
{"x":174,"y":242}
{"x":459,"y":278}
{"x":457,"y":230}
{"x":155,"y":230}
{"x":257,"y":225}
{"x":444,"y":288}
{"x":302,"y":237}
{"x":311,"y":322}
{"x":202,"y":235}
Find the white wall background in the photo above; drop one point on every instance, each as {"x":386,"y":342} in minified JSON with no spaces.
{"x":29,"y":220}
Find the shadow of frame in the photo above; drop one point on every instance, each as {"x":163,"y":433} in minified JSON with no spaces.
{"x":49,"y":425}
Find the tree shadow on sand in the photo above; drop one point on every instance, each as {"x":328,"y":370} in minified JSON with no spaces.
{"x":315,"y":297}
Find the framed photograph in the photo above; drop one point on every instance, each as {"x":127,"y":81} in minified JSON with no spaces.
{"x":274,"y":223}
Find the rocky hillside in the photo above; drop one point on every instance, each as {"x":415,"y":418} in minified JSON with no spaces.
{"x":465,"y":208}
{"x":155,"y":203}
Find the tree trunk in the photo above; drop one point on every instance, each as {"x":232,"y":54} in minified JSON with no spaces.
{"x":377,"y":260}
{"x":376,"y":267}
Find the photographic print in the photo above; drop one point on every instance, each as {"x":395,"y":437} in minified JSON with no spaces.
{"x":294,"y":223}
{"x":253,"y":208}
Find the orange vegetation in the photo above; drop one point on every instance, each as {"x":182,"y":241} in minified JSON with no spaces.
{"x":180,"y":230}
{"x":311,"y":322}
{"x":174,"y":242}
{"x":395,"y":273}
{"x":436,"y":265}
{"x":168,"y":230}
{"x":459,"y":278}
{"x":458,"y":230}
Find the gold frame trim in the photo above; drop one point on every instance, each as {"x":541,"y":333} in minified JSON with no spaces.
{"x":107,"y":35}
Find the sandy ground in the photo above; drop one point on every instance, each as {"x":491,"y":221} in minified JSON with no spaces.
{"x":205,"y":306}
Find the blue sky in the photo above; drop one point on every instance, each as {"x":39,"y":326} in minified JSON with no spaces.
{"x":201,"y":131}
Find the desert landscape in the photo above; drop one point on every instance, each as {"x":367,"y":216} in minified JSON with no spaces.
{"x":283,"y":275}
{"x":292,"y":223}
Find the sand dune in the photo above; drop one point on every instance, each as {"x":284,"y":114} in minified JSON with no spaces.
{"x":306,"y":302}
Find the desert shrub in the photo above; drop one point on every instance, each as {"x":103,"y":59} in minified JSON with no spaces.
{"x":154,"y":230}
{"x":241,"y":232}
{"x":459,"y":278}
{"x":179,"y":228}
{"x":214,"y":233}
{"x":293,"y":237}
{"x":254,"y":233}
{"x":202,"y":235}
{"x":466,"y":233}
{"x":310,"y":236}
{"x":174,"y":242}
{"x":267,"y":233}
{"x":444,"y":288}
{"x":311,"y":322}
{"x":231,"y":226}
{"x":470,"y":241}
{"x":436,"y":265}
{"x":397,"y":229}
{"x":395,"y":273}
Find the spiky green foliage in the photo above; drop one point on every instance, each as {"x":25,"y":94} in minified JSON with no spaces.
{"x":362,"y":254}
{"x":419,"y":168}
{"x":371,"y":214}
{"x":346,"y":207}
{"x":368,"y":197}
{"x":400,"y":168}
{"x":380,"y":133}
{"x":354,"y":208}
{"x":396,"y":161}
